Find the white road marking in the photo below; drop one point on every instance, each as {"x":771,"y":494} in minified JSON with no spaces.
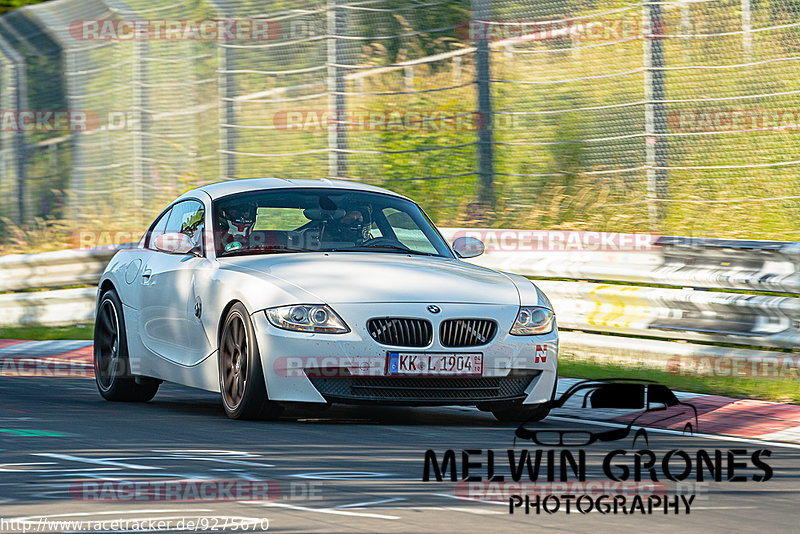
{"x":121,"y":475}
{"x":172,"y":456}
{"x":224,"y":461}
{"x":207,"y":451}
{"x":246,"y":476}
{"x":320,"y":510}
{"x":98,"y":461}
{"x":721,"y":507}
{"x":23,"y":464}
{"x":341,"y":475}
{"x":458,"y":497}
{"x":476,"y":511}
{"x":363,"y":504}
{"x":60,"y":470}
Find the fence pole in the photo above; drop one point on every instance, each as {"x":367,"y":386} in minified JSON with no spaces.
{"x":227,"y":110}
{"x":14,"y":96}
{"x":20,"y":101}
{"x":139,"y":106}
{"x":655,"y":113}
{"x":686,"y":24}
{"x":337,"y":136}
{"x":747,"y":27}
{"x":482,"y":12}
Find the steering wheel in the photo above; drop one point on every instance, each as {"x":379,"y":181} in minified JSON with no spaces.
{"x":380,"y":241}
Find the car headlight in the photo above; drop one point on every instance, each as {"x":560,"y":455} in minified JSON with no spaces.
{"x":317,"y":318}
{"x":533,"y":320}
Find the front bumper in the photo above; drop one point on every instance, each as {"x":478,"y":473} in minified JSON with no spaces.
{"x":351,"y":367}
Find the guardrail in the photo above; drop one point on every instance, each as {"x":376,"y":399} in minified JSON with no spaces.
{"x":662,"y":302}
{"x":54,"y":269}
{"x":625,"y":298}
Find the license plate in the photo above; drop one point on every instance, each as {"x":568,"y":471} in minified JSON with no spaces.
{"x":437,"y":363}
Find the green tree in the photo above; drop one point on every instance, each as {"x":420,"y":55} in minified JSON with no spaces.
{"x":9,"y":5}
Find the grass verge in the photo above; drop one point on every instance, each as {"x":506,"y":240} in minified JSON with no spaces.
{"x":40,"y":333}
{"x":771,"y":389}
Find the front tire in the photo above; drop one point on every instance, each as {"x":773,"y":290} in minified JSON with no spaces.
{"x":244,"y":393}
{"x":111,"y":361}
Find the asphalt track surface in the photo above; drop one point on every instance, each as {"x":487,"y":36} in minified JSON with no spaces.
{"x":345,"y":469}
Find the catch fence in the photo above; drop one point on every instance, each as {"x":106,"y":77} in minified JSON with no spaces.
{"x":677,"y":117}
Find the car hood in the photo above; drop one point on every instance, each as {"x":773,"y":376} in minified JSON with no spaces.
{"x":368,"y":277}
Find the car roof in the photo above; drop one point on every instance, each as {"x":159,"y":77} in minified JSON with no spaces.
{"x":221,"y":189}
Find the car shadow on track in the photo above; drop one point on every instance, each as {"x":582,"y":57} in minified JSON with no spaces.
{"x":179,"y":400}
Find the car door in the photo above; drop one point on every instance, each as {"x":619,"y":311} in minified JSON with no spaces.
{"x":169,"y":326}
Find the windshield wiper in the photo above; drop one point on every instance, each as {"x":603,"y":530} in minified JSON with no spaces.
{"x":271,"y":250}
{"x":392,"y":248}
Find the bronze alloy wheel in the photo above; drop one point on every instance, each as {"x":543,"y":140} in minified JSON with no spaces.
{"x":241,"y":379}
{"x":233,"y":356}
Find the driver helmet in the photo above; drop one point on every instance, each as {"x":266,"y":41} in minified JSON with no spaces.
{"x":355,"y":223}
{"x":240,"y":217}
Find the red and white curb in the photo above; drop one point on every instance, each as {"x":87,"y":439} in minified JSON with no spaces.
{"x":745,"y":418}
{"x":72,"y":359}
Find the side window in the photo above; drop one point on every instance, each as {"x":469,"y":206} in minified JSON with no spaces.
{"x":188,"y":218}
{"x":158,"y":229}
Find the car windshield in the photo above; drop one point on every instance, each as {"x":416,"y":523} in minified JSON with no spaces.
{"x":322,"y":220}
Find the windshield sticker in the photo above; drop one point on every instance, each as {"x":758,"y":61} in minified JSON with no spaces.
{"x":233,"y":245}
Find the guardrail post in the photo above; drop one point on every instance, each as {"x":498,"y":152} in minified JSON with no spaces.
{"x":482,"y":13}
{"x":337,"y":135}
{"x":13,"y":96}
{"x":655,"y":113}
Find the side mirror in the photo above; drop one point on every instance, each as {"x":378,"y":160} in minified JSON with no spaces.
{"x":468,"y":247}
{"x":174,"y":243}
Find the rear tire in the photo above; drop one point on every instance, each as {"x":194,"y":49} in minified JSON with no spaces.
{"x":111,"y":362}
{"x":241,"y":378}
